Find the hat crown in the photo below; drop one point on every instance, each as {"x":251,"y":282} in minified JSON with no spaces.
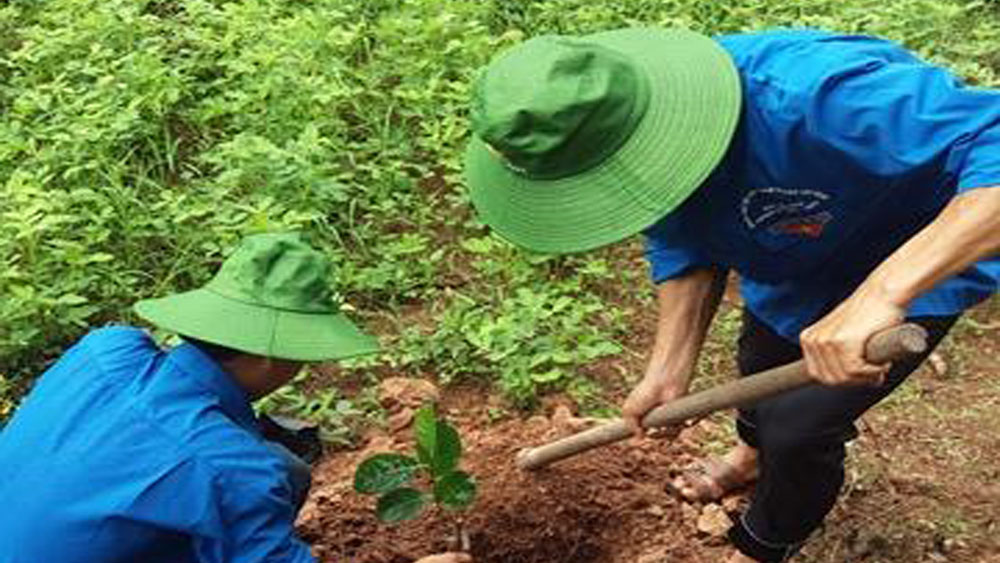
{"x":278,"y":271}
{"x":555,"y":106}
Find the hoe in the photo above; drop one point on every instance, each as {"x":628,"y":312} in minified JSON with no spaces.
{"x":887,"y":346}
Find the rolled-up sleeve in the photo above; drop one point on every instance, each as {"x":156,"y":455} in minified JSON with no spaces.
{"x":670,"y":250}
{"x":981,"y":166}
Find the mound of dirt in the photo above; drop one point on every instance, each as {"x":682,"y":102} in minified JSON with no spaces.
{"x":608,"y":505}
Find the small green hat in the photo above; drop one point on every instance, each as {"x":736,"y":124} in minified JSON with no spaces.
{"x":272,"y":298}
{"x":582,"y":142}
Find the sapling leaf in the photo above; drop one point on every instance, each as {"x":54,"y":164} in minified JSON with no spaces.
{"x":382,"y":473}
{"x":438,"y":444}
{"x":399,"y":504}
{"x":425,"y":428}
{"x":455,"y":491}
{"x":449,"y":449}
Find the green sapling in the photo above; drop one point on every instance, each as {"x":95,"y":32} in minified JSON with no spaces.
{"x":392,"y":476}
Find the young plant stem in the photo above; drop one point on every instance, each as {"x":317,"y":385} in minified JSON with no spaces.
{"x":462,"y":539}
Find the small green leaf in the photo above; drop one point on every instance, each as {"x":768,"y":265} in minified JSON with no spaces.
{"x":438,"y":444}
{"x":547,"y":377}
{"x":382,"y":473}
{"x":72,"y":299}
{"x":399,"y":504}
{"x":484,"y":245}
{"x":425,"y":427}
{"x":449,"y":449}
{"x":455,"y":491}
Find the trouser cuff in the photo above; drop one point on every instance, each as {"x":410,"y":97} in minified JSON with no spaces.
{"x":766,"y":552}
{"x":746,"y":431}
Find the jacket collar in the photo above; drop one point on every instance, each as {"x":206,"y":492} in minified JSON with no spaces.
{"x":209,"y":375}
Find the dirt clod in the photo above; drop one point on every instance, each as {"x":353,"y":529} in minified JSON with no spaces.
{"x":938,"y":364}
{"x":401,"y":420}
{"x":714,"y":521}
{"x":396,"y":393}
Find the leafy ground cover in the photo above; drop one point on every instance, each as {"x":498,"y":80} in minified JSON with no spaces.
{"x":139,"y":139}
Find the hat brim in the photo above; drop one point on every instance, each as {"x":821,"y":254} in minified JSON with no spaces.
{"x":693,"y":111}
{"x":273,"y":333}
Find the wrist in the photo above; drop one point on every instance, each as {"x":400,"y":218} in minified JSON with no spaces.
{"x":891,"y":290}
{"x":664,"y":376}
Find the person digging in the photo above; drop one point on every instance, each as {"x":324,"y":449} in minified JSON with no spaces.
{"x":847,"y":182}
{"x":125,"y":452}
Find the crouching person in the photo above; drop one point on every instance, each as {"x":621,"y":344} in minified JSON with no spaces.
{"x":124,"y":452}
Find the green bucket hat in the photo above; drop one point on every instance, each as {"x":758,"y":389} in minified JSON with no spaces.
{"x":582,"y":142}
{"x":271,"y":298}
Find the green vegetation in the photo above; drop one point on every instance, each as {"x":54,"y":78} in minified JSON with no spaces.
{"x":391,"y":476}
{"x":139,"y":139}
{"x":7,"y":399}
{"x":339,"y":417}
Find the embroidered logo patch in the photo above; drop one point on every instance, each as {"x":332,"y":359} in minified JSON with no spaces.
{"x":811,"y":226}
{"x":783,"y":211}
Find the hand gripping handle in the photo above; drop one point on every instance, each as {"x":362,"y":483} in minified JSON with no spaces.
{"x":883,"y":347}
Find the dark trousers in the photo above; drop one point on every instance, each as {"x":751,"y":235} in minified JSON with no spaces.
{"x":800,"y":439}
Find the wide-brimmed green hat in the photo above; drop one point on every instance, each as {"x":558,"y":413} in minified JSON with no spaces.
{"x":272,"y":298}
{"x":583,"y":141}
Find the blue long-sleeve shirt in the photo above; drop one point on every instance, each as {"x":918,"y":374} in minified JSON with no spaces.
{"x":126,"y":453}
{"x":847,"y":146}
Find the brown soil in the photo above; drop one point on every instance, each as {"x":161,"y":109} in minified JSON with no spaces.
{"x":923,"y":483}
{"x":607,"y":505}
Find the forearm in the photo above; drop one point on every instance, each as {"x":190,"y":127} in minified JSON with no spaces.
{"x":686,"y":308}
{"x":967,"y":230}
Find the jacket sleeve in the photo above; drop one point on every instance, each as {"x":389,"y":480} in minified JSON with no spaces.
{"x":895,"y":115}
{"x":257,"y":514}
{"x":671,"y":250}
{"x":981,"y":166}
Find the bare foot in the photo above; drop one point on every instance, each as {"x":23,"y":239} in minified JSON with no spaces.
{"x":713,"y":478}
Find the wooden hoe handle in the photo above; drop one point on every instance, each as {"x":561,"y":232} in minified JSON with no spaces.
{"x":883,"y":347}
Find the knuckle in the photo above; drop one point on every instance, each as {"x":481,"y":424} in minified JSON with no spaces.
{"x":811,"y":370}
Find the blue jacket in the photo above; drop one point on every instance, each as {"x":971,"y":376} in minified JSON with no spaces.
{"x":124,"y":453}
{"x":847,"y":146}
